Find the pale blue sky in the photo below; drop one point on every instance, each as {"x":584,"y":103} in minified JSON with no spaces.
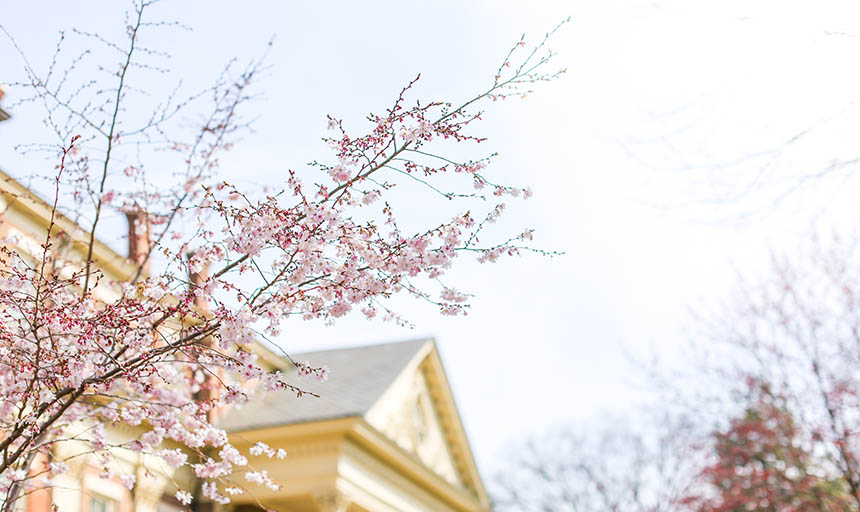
{"x":624,"y":153}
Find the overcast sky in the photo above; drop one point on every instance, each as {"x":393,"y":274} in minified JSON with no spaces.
{"x":659,"y":162}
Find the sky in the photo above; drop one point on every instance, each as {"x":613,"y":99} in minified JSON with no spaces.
{"x":666,"y":159}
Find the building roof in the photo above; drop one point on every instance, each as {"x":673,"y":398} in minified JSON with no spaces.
{"x":357,"y":379}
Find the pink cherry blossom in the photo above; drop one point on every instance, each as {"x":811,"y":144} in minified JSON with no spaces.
{"x":214,"y":268}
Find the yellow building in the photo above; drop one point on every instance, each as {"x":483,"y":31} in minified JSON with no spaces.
{"x":385,"y":434}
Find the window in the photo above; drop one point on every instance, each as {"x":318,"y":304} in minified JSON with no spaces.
{"x":99,"y":504}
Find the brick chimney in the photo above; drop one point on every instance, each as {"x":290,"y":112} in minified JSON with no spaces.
{"x":139,"y":241}
{"x":210,"y":385}
{"x":3,"y":114}
{"x":196,"y":280}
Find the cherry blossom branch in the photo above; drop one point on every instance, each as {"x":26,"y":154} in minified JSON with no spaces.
{"x":109,"y":136}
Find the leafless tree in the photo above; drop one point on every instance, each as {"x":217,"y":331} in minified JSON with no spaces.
{"x":619,"y":466}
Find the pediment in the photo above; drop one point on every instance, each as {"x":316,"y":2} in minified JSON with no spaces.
{"x":417,"y":412}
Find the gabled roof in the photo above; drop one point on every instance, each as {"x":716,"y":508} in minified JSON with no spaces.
{"x":373,"y":386}
{"x":359,"y":376}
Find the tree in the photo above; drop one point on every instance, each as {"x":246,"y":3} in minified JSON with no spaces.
{"x":217,"y":268}
{"x":777,"y":390}
{"x":789,"y":342}
{"x":765,"y":463}
{"x":609,"y":467}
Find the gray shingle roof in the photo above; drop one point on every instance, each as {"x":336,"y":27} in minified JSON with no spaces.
{"x":357,"y":379}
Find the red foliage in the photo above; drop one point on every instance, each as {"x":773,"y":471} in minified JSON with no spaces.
{"x":766,"y":462}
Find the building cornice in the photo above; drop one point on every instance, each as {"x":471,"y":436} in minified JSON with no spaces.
{"x":19,"y":198}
